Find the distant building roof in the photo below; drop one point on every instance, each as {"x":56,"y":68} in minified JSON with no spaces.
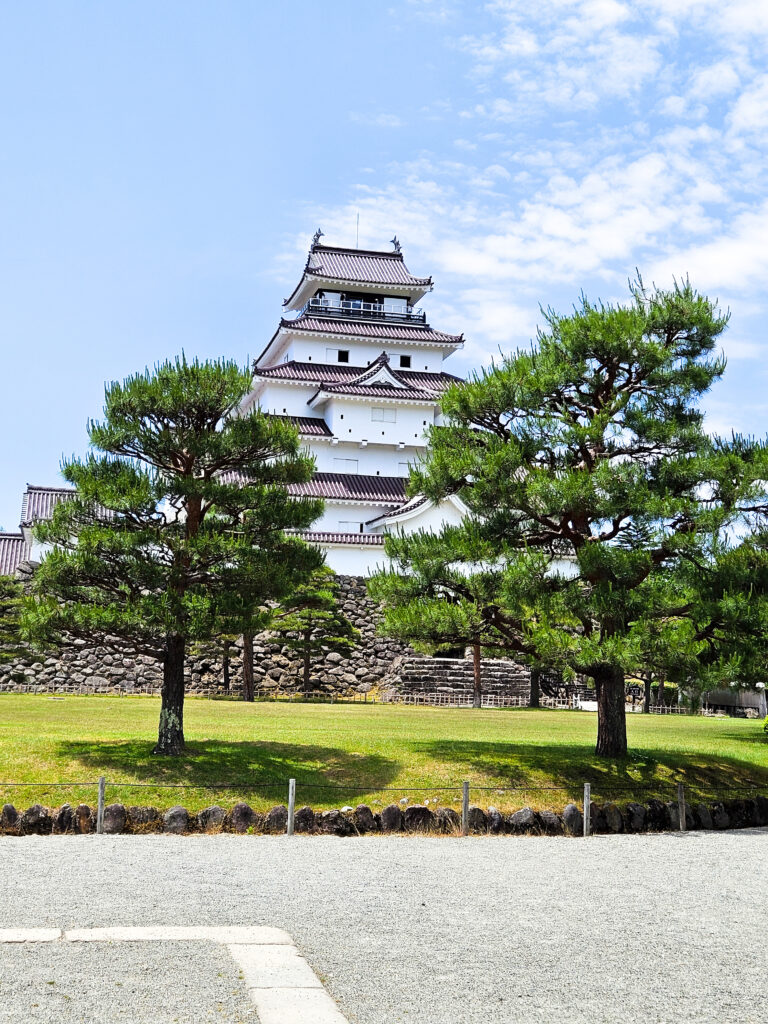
{"x":387,"y":490}
{"x":14,"y":549}
{"x":340,"y":373}
{"x":38,"y":503}
{"x":371,"y":329}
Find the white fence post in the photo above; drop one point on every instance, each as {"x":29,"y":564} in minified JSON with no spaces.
{"x":465,"y":809}
{"x":587,"y":806}
{"x":100,"y":806}
{"x":291,"y":805}
{"x":681,"y":805}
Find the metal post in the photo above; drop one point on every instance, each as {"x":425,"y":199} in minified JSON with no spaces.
{"x":465,"y":809}
{"x":100,"y":806}
{"x":587,"y":806}
{"x":291,"y":805}
{"x":681,"y":805}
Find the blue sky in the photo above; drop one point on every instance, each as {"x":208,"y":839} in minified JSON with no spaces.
{"x":163,"y":167}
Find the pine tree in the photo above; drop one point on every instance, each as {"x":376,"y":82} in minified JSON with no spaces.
{"x":176,"y":532}
{"x":310,"y":622}
{"x":593,"y":490}
{"x":434,"y":602}
{"x":11,"y":595}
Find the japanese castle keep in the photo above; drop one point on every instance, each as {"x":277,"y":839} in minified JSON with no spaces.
{"x":359,"y":371}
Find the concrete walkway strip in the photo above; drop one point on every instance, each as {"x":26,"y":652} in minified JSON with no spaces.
{"x":296,"y":1006}
{"x":251,"y":936}
{"x":274,"y":967}
{"x":29,"y":934}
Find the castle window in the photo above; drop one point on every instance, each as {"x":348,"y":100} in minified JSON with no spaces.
{"x":343,"y":355}
{"x":384,"y":415}
{"x":345,"y":465}
{"x":405,"y":362}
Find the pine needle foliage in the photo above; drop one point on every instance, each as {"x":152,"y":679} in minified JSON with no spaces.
{"x":176,"y":531}
{"x":601,"y":513}
{"x":11,"y":596}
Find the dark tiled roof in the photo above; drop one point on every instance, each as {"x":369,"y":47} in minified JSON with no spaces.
{"x":361,"y":265}
{"x":338,"y":373}
{"x":308,"y":426}
{"x":380,"y":391}
{"x":409,"y":506}
{"x":13,"y":550}
{"x":368,"y":540}
{"x":389,"y":490}
{"x":39,"y":502}
{"x":368,"y":329}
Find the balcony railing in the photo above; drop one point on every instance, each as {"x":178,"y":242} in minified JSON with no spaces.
{"x":358,"y":310}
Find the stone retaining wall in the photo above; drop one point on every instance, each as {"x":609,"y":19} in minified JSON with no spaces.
{"x":84,"y":668}
{"x":376,"y":661}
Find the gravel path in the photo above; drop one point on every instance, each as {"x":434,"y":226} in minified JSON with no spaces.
{"x":115,"y":983}
{"x":656,"y":928}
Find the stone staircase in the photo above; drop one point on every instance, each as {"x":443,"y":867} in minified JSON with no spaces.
{"x":411,"y":674}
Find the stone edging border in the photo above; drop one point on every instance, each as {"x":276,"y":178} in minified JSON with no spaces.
{"x":631,"y":817}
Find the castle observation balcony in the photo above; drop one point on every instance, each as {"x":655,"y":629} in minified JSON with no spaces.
{"x":358,"y":309}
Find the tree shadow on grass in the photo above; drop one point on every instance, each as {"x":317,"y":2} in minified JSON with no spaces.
{"x":643,"y":773}
{"x":259,"y":769}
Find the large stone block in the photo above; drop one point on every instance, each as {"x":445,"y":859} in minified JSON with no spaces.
{"x":573,"y":820}
{"x":115,"y":819}
{"x":392,"y":819}
{"x":36,"y":820}
{"x":419,"y":818}
{"x":176,"y":820}
{"x":524,"y":821}
{"x":241,"y":817}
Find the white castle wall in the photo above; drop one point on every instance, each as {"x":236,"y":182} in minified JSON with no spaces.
{"x":361,"y":353}
{"x":355,"y":421}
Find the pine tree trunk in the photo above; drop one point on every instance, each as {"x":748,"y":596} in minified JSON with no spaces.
{"x":647,"y":696}
{"x":478,"y":679}
{"x":611,"y":711}
{"x":225,"y":663}
{"x":307,"y":658}
{"x":170,"y":735}
{"x":535,"y":695}
{"x":248,"y":693}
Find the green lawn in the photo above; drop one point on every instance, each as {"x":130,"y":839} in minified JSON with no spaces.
{"x":359,"y":753}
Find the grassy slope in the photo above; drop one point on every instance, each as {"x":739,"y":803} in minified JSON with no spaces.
{"x":360,"y":749}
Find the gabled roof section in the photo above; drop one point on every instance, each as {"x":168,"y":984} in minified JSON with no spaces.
{"x":338,"y":373}
{"x":385,"y":490}
{"x":379,"y":380}
{"x":38,"y":503}
{"x":14,"y":549}
{"x":344,"y":266}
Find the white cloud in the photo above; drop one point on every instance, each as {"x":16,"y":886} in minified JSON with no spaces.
{"x":378,"y":120}
{"x":750,"y":111}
